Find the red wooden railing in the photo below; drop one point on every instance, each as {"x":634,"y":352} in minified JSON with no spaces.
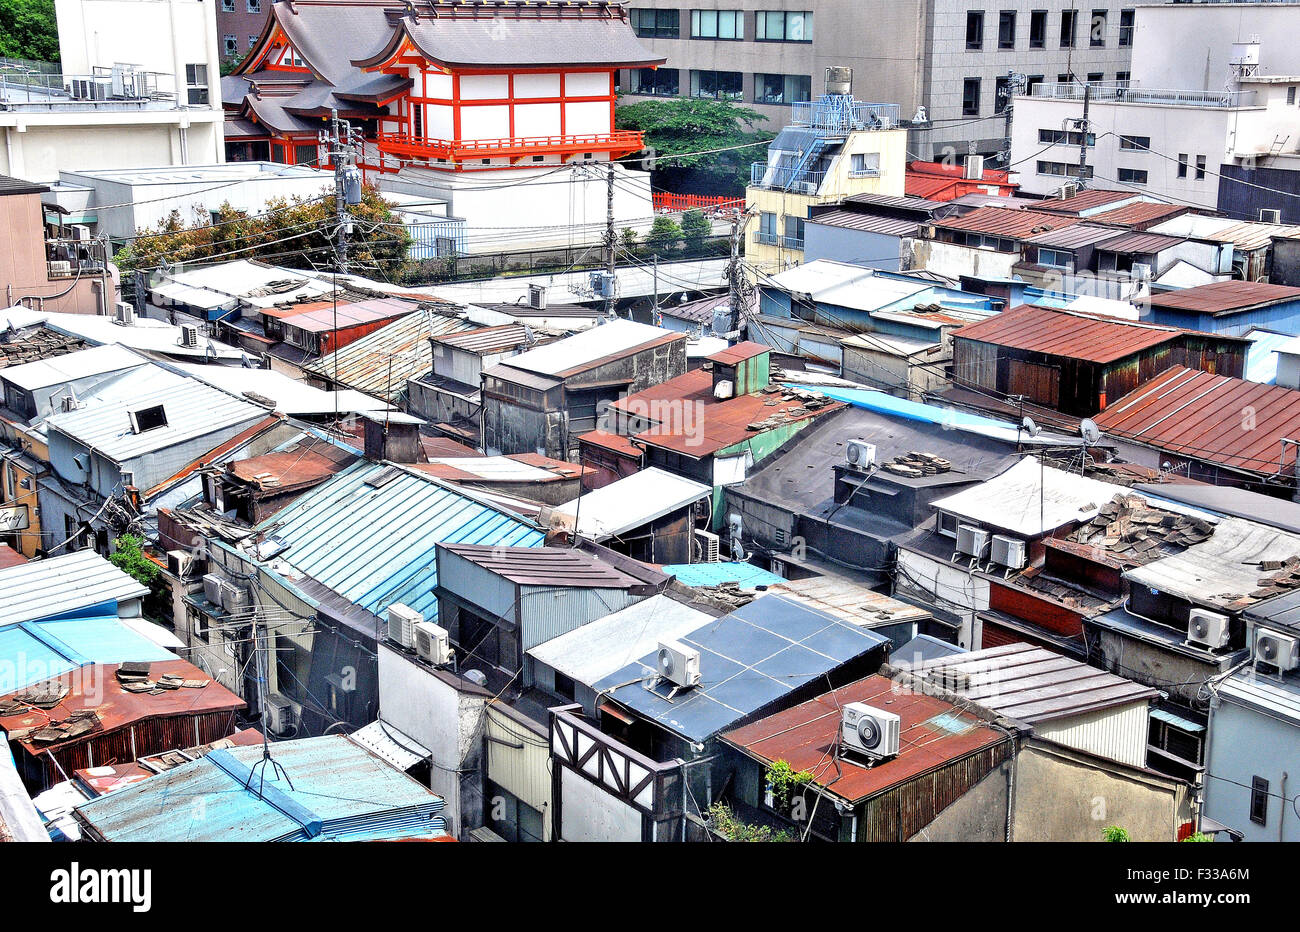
{"x":667,"y":200}
{"x":620,"y":142}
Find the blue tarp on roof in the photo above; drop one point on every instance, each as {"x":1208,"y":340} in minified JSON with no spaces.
{"x":38,"y":650}
{"x":336,"y":791}
{"x":748,"y":660}
{"x":747,"y":575}
{"x":370,"y":534}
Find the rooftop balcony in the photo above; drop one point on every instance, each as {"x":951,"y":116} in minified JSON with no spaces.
{"x":794,"y":179}
{"x":30,"y":86}
{"x":617,"y":144}
{"x":840,"y":114}
{"x":1129,"y":93}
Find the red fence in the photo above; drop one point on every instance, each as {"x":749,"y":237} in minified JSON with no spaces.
{"x":666,"y":200}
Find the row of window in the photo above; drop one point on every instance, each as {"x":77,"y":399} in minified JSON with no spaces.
{"x":970,"y":96}
{"x":253,"y":6}
{"x":725,"y":25}
{"x":1069,"y":28}
{"x":230,"y":44}
{"x":720,"y":85}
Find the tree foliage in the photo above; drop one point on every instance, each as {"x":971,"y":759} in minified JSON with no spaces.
{"x":129,"y":557}
{"x":297,"y":233}
{"x":28,"y":30}
{"x":676,"y":127}
{"x":724,"y":822}
{"x":695,"y":229}
{"x":1115,"y":833}
{"x":664,"y":236}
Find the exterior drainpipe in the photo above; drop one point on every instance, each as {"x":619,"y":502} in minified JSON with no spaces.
{"x":1281,"y":813}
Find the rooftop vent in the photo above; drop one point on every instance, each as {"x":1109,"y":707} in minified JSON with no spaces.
{"x":150,"y":418}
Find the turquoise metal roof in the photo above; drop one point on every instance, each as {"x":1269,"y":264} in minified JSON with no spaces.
{"x":375,"y":544}
{"x":335,"y":790}
{"x":33,"y":651}
{"x":747,"y":575}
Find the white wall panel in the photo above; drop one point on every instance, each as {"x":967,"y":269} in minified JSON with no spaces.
{"x":537,"y":85}
{"x":537,"y":120}
{"x":580,"y":119}
{"x":586,"y":84}
{"x":484,"y":86}
{"x":490,"y":122}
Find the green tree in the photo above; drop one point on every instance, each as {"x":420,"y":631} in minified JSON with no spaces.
{"x":664,"y":236}
{"x":28,"y":30}
{"x":1115,"y":833}
{"x":297,"y":233}
{"x":724,"y":822}
{"x":129,"y":557}
{"x":1198,"y":837}
{"x":695,"y":230}
{"x":678,"y":128}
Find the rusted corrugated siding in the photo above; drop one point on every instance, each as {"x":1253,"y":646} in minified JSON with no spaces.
{"x":900,"y":813}
{"x":975,"y":364}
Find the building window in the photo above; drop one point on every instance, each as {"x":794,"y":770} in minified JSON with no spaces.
{"x":781,"y":88}
{"x":1055,"y":258}
{"x":865,"y":165}
{"x":1135,"y":142}
{"x":230,"y":44}
{"x":974,"y":29}
{"x":1007,"y":29}
{"x":255,"y":6}
{"x":655,"y":82}
{"x":196,"y":84}
{"x":1121,"y":78}
{"x":252,"y":41}
{"x":717,"y":85}
{"x":1095,"y":77}
{"x":1125,"y":28}
{"x":1132,"y":176}
{"x":767,"y":229}
{"x":794,"y":232}
{"x":1200,"y":167}
{"x":1097,"y":32}
{"x":1069,"y":25}
{"x":1259,"y":800}
{"x":657,"y":24}
{"x":1064,"y":169}
{"x":1061,"y":137}
{"x":783,"y":26}
{"x":1290,"y":95}
{"x":1182,"y":164}
{"x":1031,"y":82}
{"x":227,"y":6}
{"x":1065,"y":78}
{"x":1037,"y":29}
{"x":970,"y":97}
{"x":717,"y":24}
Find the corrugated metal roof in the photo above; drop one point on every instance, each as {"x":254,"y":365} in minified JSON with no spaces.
{"x":545,"y":566}
{"x":848,"y":600}
{"x":322,"y":316}
{"x":1273,"y":697}
{"x":590,"y":653}
{"x":1244,"y":235}
{"x":924,"y":647}
{"x":193,"y":409}
{"x":891,"y":202}
{"x":514,"y":468}
{"x":1200,"y":415}
{"x":869,"y":223}
{"x":1031,"y":684}
{"x":1068,"y":334}
{"x":330,"y":789}
{"x":749,"y":660}
{"x":631,"y":502}
{"x":486,"y":340}
{"x":391,"y":745}
{"x":1001,"y":221}
{"x":1144,"y":243}
{"x":1074,"y":236}
{"x":289,"y":395}
{"x":609,"y":441}
{"x":1086,"y":200}
{"x":146,"y":335}
{"x":380,"y":363}
{"x":1139,"y":215}
{"x":1224,"y":297}
{"x":81,"y":364}
{"x":61,"y":585}
{"x":932,"y":733}
{"x":376,"y":545}
{"x":33,"y":651}
{"x":581,"y":351}
{"x":745,"y":575}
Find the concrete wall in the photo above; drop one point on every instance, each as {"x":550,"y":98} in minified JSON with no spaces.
{"x":954,"y":261}
{"x":1189,"y":45}
{"x":1245,"y":744}
{"x":38,"y":146}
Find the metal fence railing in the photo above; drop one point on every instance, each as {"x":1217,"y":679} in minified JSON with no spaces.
{"x":1127,"y":92}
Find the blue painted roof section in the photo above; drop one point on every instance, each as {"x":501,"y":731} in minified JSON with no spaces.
{"x":1261,"y":355}
{"x":747,"y":575}
{"x":883,"y":403}
{"x":748,"y":660}
{"x":33,"y":651}
{"x":336,"y":790}
{"x":923,"y":647}
{"x":376,"y":546}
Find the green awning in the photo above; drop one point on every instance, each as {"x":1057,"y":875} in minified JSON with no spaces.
{"x":70,"y":218}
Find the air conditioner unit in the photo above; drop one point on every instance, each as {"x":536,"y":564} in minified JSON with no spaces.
{"x":189,"y":335}
{"x":58,"y":269}
{"x":212,"y":588}
{"x":234,"y":598}
{"x":80,"y":232}
{"x":972,"y":541}
{"x":1209,"y":629}
{"x":432,"y":643}
{"x":124,"y":314}
{"x":974,"y":167}
{"x":537,"y":297}
{"x":1069,"y":190}
{"x":860,"y":455}
{"x":1008,"y":551}
{"x":401,"y":624}
{"x":869,"y":730}
{"x":179,"y":563}
{"x":709,"y":544}
{"x":807,"y":187}
{"x":679,"y":664}
{"x":1270,"y":216}
{"x":1280,"y":650}
{"x":282,"y":714}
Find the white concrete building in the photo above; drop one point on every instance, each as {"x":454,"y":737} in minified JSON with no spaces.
{"x":1207,"y":98}
{"x":139,"y":85}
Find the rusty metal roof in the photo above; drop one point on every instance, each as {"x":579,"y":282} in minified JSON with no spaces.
{"x":870,"y":223}
{"x":1065,"y":333}
{"x":380,"y":363}
{"x":322,"y":316}
{"x":1086,"y":200}
{"x":618,"y":444}
{"x":300,"y":464}
{"x":932,"y":733}
{"x":1031,"y":684}
{"x":545,"y":566}
{"x":487,"y":340}
{"x":1201,"y":415}
{"x":1225,"y":297}
{"x":1002,"y":221}
{"x":1140,"y":215}
{"x":1073,"y":236}
{"x":1138,"y":242}
{"x":739,"y":353}
{"x":98,"y":690}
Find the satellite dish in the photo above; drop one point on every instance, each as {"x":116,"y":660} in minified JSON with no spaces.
{"x":666,"y":665}
{"x":1028,"y":426}
{"x":1089,"y":430}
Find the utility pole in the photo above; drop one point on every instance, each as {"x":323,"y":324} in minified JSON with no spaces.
{"x":654,"y":309}
{"x":738,"y":292}
{"x":610,"y":241}
{"x":347,"y":183}
{"x":1015,"y":81}
{"x":1083,"y":137}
